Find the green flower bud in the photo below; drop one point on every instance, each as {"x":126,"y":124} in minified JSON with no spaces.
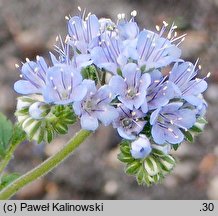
{"x":41,"y":121}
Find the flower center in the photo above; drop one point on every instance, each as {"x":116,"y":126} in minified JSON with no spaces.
{"x":88,"y":105}
{"x":65,"y":95}
{"x":126,"y":122}
{"x":131,"y":93}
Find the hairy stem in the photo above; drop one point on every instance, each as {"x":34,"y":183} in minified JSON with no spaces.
{"x":46,"y":166}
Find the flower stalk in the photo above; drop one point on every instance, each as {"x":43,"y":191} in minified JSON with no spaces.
{"x":46,"y":166}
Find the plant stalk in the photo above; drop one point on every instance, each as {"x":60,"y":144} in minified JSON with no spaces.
{"x":44,"y":167}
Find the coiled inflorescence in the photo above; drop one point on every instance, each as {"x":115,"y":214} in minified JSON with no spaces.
{"x":112,"y":73}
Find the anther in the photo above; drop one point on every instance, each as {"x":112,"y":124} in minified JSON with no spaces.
{"x":133,"y":113}
{"x":157,"y":27}
{"x":134,"y":13}
{"x":165,"y":23}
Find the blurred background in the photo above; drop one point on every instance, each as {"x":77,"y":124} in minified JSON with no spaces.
{"x":29,"y":28}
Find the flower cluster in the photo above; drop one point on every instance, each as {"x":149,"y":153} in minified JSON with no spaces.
{"x":112,"y":73}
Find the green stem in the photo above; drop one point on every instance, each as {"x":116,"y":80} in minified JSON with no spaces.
{"x":46,"y":166}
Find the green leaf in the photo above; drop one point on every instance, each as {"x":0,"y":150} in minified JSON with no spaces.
{"x":6,"y":130}
{"x":18,"y":135}
{"x":7,"y":179}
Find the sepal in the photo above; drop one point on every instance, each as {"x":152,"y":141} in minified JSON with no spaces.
{"x":149,"y":170}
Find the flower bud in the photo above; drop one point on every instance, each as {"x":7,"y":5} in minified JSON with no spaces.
{"x":41,"y":121}
{"x":141,"y":147}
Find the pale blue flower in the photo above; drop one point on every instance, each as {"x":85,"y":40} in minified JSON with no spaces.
{"x":84,"y":33}
{"x":63,"y":85}
{"x":129,"y":123}
{"x":155,"y":51}
{"x":95,"y":106}
{"x":159,"y":92}
{"x":131,"y":88}
{"x":185,"y":83}
{"x":33,"y":76}
{"x":168,"y":121}
{"x":109,"y":54}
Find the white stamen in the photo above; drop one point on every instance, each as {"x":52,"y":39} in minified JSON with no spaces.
{"x":165,"y":88}
{"x":17,"y":66}
{"x":128,"y":91}
{"x":36,"y":69}
{"x":119,"y":16}
{"x":123,"y":15}
{"x":189,"y":69}
{"x":134,"y":13}
{"x":165,"y":23}
{"x":156,"y":81}
{"x":57,"y":38}
{"x":171,"y":122}
{"x":157,"y":27}
{"x":27,"y":60}
{"x":199,"y":67}
{"x":37,"y":58}
{"x":21,"y":76}
{"x":148,"y":36}
{"x":79,"y":8}
{"x":170,"y":129}
{"x":208,"y":75}
{"x":67,"y":18}
{"x":133,"y":113}
{"x":67,"y":39}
